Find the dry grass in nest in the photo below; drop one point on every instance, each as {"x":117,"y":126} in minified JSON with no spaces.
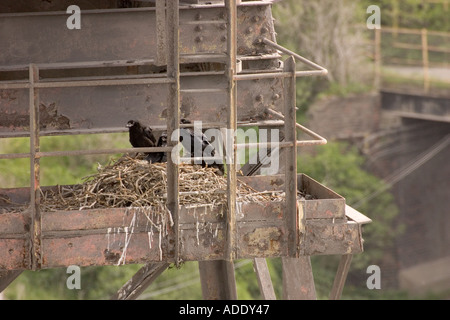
{"x":132,"y":182}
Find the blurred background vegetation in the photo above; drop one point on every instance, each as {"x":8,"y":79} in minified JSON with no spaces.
{"x":325,"y":31}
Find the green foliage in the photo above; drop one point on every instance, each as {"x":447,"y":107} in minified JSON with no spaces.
{"x":328,"y":37}
{"x":96,"y":283}
{"x":56,"y":170}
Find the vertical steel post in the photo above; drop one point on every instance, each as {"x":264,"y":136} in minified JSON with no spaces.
{"x":217,"y":277}
{"x":298,"y":280}
{"x":291,"y":159}
{"x":140,"y":281}
{"x":161,"y":51}
{"x":173,"y":116}
{"x":341,"y":276}
{"x":35,"y":195}
{"x":217,"y":280}
{"x":231,"y":8}
{"x":264,"y":280}
{"x":425,"y":60}
{"x":377,"y":58}
{"x":231,"y":125}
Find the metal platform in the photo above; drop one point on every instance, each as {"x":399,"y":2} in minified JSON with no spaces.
{"x":139,"y":235}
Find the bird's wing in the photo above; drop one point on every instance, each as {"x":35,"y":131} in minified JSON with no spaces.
{"x":149,"y":134}
{"x":162,"y":141}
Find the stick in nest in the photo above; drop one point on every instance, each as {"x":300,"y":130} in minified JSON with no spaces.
{"x":131,"y":182}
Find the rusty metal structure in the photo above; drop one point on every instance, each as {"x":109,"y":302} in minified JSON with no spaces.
{"x":215,"y":61}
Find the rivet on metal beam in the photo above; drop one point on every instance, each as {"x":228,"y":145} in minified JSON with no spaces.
{"x":199,"y":39}
{"x":259,"y":41}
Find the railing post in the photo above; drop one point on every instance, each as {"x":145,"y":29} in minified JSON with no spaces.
{"x":425,"y":62}
{"x":230,"y":6}
{"x":290,"y":133}
{"x":173,"y":116}
{"x":377,"y":59}
{"x":35,"y":195}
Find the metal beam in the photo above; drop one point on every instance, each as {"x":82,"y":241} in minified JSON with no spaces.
{"x":291,"y":159}
{"x":298,"y":280}
{"x":140,"y":281}
{"x":105,"y":34}
{"x":35,"y":195}
{"x":6,"y":277}
{"x":231,"y":12}
{"x":217,"y":280}
{"x":264,"y":280}
{"x":217,"y":277}
{"x":341,"y":276}
{"x":173,"y":117}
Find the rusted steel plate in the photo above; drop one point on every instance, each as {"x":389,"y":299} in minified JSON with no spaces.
{"x":326,"y":237}
{"x":125,"y":34}
{"x":101,"y":219}
{"x":262,"y":211}
{"x":14,"y":254}
{"x":135,"y":235}
{"x":9,"y":6}
{"x":105,"y":36}
{"x":14,"y":110}
{"x":14,"y":223}
{"x":202,"y":241}
{"x":326,"y":204}
{"x":201,"y":214}
{"x":260,"y":239}
{"x":104,"y":249}
{"x":298,"y":280}
{"x":111,"y":106}
{"x":44,"y":37}
{"x":264,"y":183}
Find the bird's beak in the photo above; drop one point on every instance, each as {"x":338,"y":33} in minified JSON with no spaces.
{"x":129,"y":125}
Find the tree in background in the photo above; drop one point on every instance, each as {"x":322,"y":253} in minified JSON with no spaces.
{"x":416,"y":14}
{"x":326,"y":32}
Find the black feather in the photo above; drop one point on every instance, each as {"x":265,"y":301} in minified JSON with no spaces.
{"x":194,"y":137}
{"x":141,"y":137}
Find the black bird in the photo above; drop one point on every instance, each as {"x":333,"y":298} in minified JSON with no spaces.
{"x":190,"y":138}
{"x":142,"y":137}
{"x":162,"y":142}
